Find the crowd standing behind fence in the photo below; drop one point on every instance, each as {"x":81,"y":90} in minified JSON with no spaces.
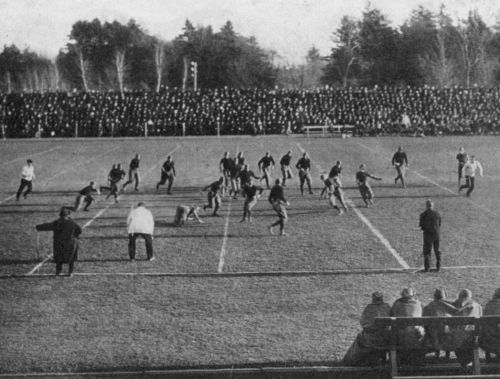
{"x":372,"y":111}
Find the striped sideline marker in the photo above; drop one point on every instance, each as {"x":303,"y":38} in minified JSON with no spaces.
{"x":367,"y":222}
{"x":88,"y":223}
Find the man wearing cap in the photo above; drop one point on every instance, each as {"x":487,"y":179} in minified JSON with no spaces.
{"x":411,"y":337}
{"x":65,"y":239}
{"x":430,"y":223}
{"x":365,"y":348}
{"x":462,"y":335}
{"x":140,"y":222}
{"x":489,"y":338}
{"x":286,"y":171}
{"x":27,"y":176}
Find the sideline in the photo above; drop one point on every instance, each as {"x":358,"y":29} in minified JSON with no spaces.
{"x":88,"y":223}
{"x":367,"y":222}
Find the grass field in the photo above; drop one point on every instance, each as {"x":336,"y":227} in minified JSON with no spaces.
{"x":225,"y":292}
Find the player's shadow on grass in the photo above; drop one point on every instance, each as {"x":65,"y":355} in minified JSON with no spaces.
{"x":415,"y":196}
{"x":54,"y":211}
{"x":98,"y":260}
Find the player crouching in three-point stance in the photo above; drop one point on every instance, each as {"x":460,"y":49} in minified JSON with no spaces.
{"x":332,"y":191}
{"x":214,"y":191}
{"x":85,"y":197}
{"x":184,"y":213}
{"x":252,"y":194}
{"x":364,"y":186}
{"x":279,"y":203}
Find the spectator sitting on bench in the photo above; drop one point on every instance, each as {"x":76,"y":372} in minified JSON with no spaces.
{"x":438,"y":336}
{"x":366,"y":348}
{"x":462,"y":335}
{"x":489,"y":339}
{"x":410,"y":338}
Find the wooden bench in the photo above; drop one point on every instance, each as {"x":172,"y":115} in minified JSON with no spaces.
{"x":334,"y":129}
{"x":397,"y":323}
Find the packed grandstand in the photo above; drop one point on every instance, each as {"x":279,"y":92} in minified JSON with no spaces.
{"x":171,"y":111}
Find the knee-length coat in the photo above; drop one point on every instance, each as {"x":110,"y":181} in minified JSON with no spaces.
{"x":65,"y":239}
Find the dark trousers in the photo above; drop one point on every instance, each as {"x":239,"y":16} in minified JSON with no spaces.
{"x":24,"y":183}
{"x":133,"y":175}
{"x":305,"y":177}
{"x":431,"y":241}
{"x":164,"y":178}
{"x":71,"y":263}
{"x":469,"y":183}
{"x":131,"y":244}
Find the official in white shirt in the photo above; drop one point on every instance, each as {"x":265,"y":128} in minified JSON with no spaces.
{"x":27,"y":176}
{"x":140,"y":222}
{"x":469,"y":172}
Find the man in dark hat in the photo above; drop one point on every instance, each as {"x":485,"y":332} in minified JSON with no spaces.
{"x":430,"y":223}
{"x":65,"y":239}
{"x":365,"y":349}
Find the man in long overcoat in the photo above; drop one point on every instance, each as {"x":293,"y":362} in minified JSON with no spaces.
{"x":65,"y":239}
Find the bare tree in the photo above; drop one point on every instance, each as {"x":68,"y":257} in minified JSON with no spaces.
{"x":159,"y":56}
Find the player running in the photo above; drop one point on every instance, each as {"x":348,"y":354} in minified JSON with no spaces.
{"x":224,"y":164}
{"x":362,"y":180}
{"x":336,"y":171}
{"x":133,"y":172}
{"x":252,"y":194}
{"x":266,"y":164}
{"x":332,"y":191}
{"x":461,"y":160}
{"x":286,"y":171}
{"x":279,"y":203}
{"x":115,"y":175}
{"x":27,"y":176}
{"x":400,"y":161}
{"x":214,"y":190}
{"x":469,"y":172}
{"x":167,"y":174}
{"x":85,"y":197}
{"x":304,"y":167}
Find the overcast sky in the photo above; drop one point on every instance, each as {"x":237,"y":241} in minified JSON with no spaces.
{"x":290,"y":27}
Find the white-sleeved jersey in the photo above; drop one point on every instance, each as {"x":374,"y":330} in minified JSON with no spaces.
{"x":470,"y":169}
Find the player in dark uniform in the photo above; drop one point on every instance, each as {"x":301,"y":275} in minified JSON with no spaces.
{"x":266,"y":164}
{"x":214,"y":190}
{"x":133,"y":172}
{"x":362,"y":180}
{"x":224,"y":166}
{"x":252,"y":194}
{"x":234,"y":174}
{"x":279,"y":203}
{"x":167,"y":174}
{"x":286,"y":171}
{"x":336,"y":171}
{"x":115,"y":175}
{"x":304,"y":167}
{"x":400,"y":161}
{"x":462,"y":160}
{"x":85,"y":197}
{"x":240,"y":159}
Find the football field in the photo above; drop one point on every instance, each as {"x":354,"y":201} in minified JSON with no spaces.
{"x":224,"y":292}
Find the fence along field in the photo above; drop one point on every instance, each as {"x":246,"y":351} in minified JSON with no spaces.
{"x":226,"y":292}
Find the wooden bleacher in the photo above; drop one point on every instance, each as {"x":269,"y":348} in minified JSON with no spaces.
{"x":396,"y":323}
{"x":341,"y":130}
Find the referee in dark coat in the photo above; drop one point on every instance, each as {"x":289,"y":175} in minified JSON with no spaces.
{"x":65,"y":239}
{"x":430,"y":223}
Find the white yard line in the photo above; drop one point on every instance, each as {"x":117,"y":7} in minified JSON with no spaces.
{"x":223,"y":251}
{"x":367,"y":222}
{"x":99,"y":214}
{"x":434,"y":183}
{"x":32,"y":155}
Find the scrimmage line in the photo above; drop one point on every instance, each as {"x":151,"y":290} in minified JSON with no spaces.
{"x":236,"y":274}
{"x":222,"y":255}
{"x":370,"y":226}
{"x":88,"y":223}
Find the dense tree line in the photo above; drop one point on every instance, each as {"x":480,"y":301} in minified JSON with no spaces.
{"x":428,"y":49}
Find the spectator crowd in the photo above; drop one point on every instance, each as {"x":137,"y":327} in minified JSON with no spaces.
{"x":372,"y":111}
